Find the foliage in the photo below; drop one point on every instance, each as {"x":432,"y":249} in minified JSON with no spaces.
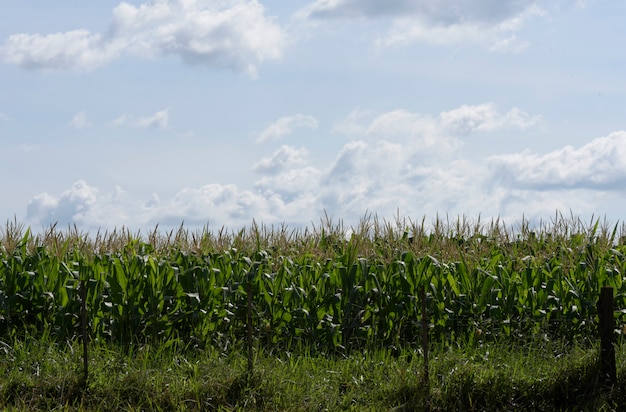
{"x":322,"y":290}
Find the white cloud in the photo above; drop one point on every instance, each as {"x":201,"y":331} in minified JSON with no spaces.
{"x":440,"y":22}
{"x":77,"y":48}
{"x":400,"y":161}
{"x":233,"y":34}
{"x":84,"y":206}
{"x":3,"y":117}
{"x":291,"y":183}
{"x":509,"y":44}
{"x":120,"y":120}
{"x":285,"y":125}
{"x":284,"y":157}
{"x":423,"y":132}
{"x":158,"y":120}
{"x":542,"y":205}
{"x":213,"y":203}
{"x":600,"y":163}
{"x":351,"y":125}
{"x":484,"y":117}
{"x":433,"y":136}
{"x":153,"y":201}
{"x":72,"y":205}
{"x":498,"y":32}
{"x":80,"y":121}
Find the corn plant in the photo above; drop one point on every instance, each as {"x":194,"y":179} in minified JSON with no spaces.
{"x":319,"y":290}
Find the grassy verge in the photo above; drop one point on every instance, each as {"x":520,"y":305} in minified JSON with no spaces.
{"x":543,"y":376}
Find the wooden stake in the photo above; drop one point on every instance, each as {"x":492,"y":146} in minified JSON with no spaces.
{"x":608,"y":370}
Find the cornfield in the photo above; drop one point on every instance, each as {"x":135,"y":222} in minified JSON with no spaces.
{"x":326,"y":289}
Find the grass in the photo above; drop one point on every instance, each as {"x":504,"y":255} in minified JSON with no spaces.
{"x":543,"y":377}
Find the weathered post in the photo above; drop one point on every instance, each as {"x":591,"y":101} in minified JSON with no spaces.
{"x":608,"y":370}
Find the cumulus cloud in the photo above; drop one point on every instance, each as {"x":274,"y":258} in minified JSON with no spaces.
{"x":433,"y":136}
{"x":384,"y":176}
{"x":418,"y":131}
{"x":71,"y":206}
{"x":83,"y":205}
{"x":158,"y":120}
{"x":352,"y":124}
{"x":484,"y":117}
{"x":76,"y":48}
{"x":282,"y":158}
{"x":285,"y":125}
{"x":440,"y":22}
{"x":224,"y":203}
{"x":395,"y":161}
{"x":232,"y":206}
{"x":233,"y":34}
{"x":80,"y":121}
{"x":121,"y":120}
{"x":291,"y":184}
{"x":600,"y":164}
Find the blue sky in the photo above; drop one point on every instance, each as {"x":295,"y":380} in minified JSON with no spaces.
{"x":219,"y":112}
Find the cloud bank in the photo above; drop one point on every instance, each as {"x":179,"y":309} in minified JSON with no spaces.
{"x":598,"y":165}
{"x":234,"y":34}
{"x":394,"y":161}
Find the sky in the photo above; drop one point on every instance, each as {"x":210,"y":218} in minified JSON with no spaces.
{"x":215,"y":113}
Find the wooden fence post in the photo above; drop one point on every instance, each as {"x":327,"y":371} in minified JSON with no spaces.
{"x":608,"y":370}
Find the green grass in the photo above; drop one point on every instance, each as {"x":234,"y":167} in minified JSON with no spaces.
{"x":42,"y":376}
